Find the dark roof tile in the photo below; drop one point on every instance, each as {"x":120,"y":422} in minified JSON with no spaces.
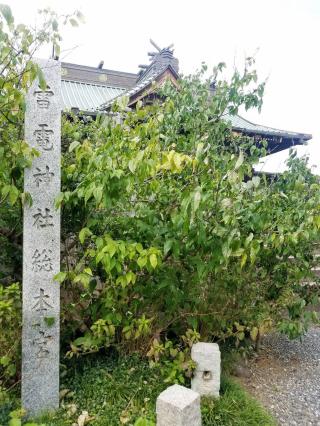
{"x":85,"y":74}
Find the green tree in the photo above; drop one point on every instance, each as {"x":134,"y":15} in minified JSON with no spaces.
{"x":169,"y":234}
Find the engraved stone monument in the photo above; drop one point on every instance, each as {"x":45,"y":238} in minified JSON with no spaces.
{"x":206,"y":377}
{"x":178,"y":406}
{"x":41,"y":246}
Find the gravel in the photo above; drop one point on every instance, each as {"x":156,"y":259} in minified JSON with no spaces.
{"x":285,"y":377}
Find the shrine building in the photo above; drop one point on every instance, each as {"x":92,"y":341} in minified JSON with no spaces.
{"x":93,"y":89}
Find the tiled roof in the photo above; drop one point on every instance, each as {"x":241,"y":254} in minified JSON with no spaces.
{"x":147,"y":79}
{"x":142,"y":84}
{"x":90,"y":96}
{"x":87,"y":96}
{"x":100,"y":76}
{"x":241,"y":124}
{"x":161,"y":61}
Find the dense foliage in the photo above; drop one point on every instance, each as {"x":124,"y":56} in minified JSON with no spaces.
{"x":168,"y":235}
{"x":177,"y":236}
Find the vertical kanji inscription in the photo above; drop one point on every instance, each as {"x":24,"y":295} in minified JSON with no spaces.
{"x":44,"y":137}
{"x":43,"y":177}
{"x":41,"y":246}
{"x":42,"y":303}
{"x":43,"y":97}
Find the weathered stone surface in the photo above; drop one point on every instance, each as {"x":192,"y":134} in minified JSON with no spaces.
{"x":178,"y":406}
{"x":41,"y":246}
{"x":206,"y":379}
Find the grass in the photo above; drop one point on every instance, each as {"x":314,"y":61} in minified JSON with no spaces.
{"x":118,"y":391}
{"x":235,"y":407}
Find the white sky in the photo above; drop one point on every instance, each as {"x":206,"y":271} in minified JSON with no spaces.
{"x":286,"y":32}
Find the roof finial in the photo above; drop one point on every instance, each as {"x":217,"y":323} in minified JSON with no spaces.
{"x":160,"y":51}
{"x":159,"y":59}
{"x":155,"y":45}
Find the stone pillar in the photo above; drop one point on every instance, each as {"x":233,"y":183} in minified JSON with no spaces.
{"x":178,"y":406}
{"x":206,"y":378}
{"x":41,"y":246}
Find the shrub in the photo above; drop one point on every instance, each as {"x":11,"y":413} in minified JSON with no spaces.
{"x":171,"y":231}
{"x":10,"y":337}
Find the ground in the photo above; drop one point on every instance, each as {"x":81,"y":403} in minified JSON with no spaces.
{"x":285,"y":378}
{"x":117,"y":391}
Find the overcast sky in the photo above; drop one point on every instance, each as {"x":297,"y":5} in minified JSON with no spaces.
{"x":286,"y":32}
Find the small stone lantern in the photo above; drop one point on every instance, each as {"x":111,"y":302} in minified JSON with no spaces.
{"x":206,"y":378}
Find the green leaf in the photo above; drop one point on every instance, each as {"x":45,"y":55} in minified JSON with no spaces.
{"x":58,"y":200}
{"x":240,"y":335}
{"x":13,"y":195}
{"x":249,"y":239}
{"x":238,"y":252}
{"x":41,"y":78}
{"x":73,"y":145}
{"x":111,"y":248}
{"x":5,"y":361}
{"x":243,"y":260}
{"x":167,"y":246}
{"x":88,"y":271}
{"x":83,"y":234}
{"x":97,"y":193}
{"x":142,"y":261}
{"x":153,"y":260}
{"x":88,"y":194}
{"x":15,"y":422}
{"x":196,"y":200}
{"x":18,"y":414}
{"x":132,"y":166}
{"x":7,"y":13}
{"x":254,"y":333}
{"x":26,"y":199}
{"x":139,"y":247}
{"x":100,"y":256}
{"x":83,"y":279}
{"x":6,"y":189}
{"x":60,"y":276}
{"x":49,"y":321}
{"x":239,"y":161}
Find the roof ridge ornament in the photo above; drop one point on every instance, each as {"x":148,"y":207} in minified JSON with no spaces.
{"x":159,"y":58}
{"x":164,"y":52}
{"x":155,"y":45}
